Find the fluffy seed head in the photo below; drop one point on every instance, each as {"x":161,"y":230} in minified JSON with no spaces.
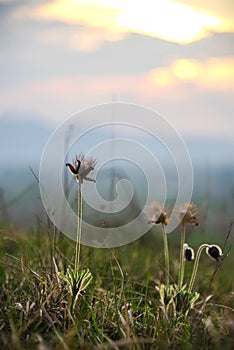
{"x":157,"y":214}
{"x":188,"y":214}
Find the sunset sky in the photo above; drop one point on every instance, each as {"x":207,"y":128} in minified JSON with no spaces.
{"x":57,"y":57}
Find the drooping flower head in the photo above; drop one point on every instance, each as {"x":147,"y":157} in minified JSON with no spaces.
{"x":214,"y":252}
{"x":157,"y":214}
{"x":188,"y":253}
{"x":82,"y":167}
{"x":188,"y":214}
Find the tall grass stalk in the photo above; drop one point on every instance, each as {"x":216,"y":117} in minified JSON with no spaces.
{"x":166,"y":253}
{"x":182,"y":262}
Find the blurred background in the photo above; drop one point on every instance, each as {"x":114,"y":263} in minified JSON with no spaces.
{"x":58,"y":57}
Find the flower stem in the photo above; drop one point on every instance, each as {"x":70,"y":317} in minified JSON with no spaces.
{"x":181,"y":267}
{"x":166,"y":253}
{"x":79,"y":223}
{"x":53,"y":248}
{"x":195,"y":267}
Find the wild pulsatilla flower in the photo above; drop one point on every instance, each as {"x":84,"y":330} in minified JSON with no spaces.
{"x":188,"y":253}
{"x":214,"y":252}
{"x":81,"y":168}
{"x":188,"y":214}
{"x":157,"y":214}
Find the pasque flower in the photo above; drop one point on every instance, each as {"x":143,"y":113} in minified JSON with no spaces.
{"x":188,"y":214}
{"x":81,"y":168}
{"x":157,"y":214}
{"x":214,"y":252}
{"x":78,"y":279}
{"x":188,"y":253}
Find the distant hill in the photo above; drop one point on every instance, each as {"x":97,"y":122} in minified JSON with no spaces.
{"x":21,"y":140}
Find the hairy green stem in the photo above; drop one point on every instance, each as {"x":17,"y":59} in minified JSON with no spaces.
{"x":195,"y":267}
{"x":181,"y":266}
{"x":79,"y":224}
{"x":166,"y":254}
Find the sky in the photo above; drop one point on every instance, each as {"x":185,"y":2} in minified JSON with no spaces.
{"x":58,"y":57}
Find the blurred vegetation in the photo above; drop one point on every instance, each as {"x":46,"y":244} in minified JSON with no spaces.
{"x":123,"y":307}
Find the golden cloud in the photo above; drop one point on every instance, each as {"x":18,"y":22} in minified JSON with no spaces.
{"x":165,"y":19}
{"x":214,"y":73}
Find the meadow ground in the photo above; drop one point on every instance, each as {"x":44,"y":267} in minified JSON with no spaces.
{"x":125,"y":306}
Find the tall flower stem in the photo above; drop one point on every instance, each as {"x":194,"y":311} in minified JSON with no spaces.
{"x":79,"y":224}
{"x":195,"y":267}
{"x":181,"y":266}
{"x":166,"y":253}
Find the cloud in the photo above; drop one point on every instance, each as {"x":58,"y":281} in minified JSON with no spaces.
{"x":171,"y":21}
{"x":174,"y":22}
{"x":54,"y":67}
{"x":192,"y":109}
{"x":90,"y":39}
{"x":212,"y":74}
{"x":95,"y":19}
{"x":83,"y":39}
{"x":222,"y":9}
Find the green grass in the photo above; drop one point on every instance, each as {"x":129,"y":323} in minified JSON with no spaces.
{"x":126,"y":306}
